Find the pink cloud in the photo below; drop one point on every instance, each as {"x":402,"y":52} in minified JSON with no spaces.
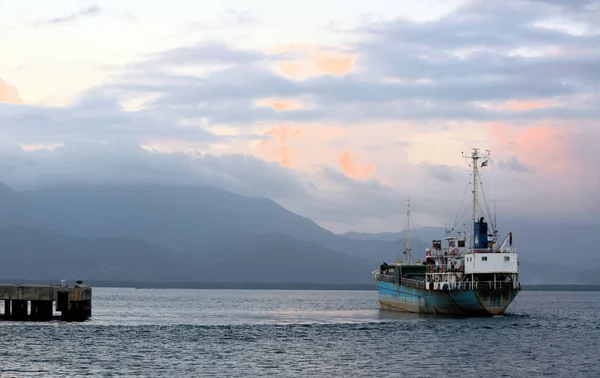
{"x":521,"y":105}
{"x":352,"y":168}
{"x":281,"y":152}
{"x":9,"y":93}
{"x":281,"y":105}
{"x":312,"y":62}
{"x":549,"y":149}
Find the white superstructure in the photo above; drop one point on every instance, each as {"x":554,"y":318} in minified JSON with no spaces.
{"x":491,"y":263}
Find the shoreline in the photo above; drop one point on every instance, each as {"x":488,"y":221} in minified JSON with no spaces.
{"x":270,"y":286}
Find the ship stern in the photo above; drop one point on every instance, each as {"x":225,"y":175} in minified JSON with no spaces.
{"x":484,"y":302}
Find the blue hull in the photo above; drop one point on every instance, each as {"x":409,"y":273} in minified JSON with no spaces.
{"x":449,"y":302}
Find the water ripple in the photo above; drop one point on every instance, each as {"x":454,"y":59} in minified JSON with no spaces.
{"x":190,"y":333}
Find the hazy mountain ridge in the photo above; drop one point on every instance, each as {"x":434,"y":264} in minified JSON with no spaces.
{"x":180,"y":218}
{"x":179,"y":233}
{"x":547,"y":243}
{"x":41,"y":254}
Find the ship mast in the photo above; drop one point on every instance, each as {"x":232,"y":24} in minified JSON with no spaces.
{"x":407,"y":231}
{"x":475,"y":156}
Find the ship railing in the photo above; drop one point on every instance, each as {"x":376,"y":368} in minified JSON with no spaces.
{"x":384,"y":277}
{"x":446,"y":251}
{"x":487,"y":285}
{"x":413,"y":283}
{"x":404,"y":281}
{"x":492,"y":250}
{"x":432,"y":269}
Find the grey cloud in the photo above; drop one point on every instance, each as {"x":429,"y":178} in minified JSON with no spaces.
{"x":588,"y":154}
{"x":397,"y":49}
{"x":574,"y":4}
{"x":212,"y":52}
{"x":347,"y":202}
{"x":92,"y":10}
{"x":441,"y":173}
{"x":95,"y":117}
{"x":513,"y":164}
{"x":348,"y":182}
{"x":355,"y":201}
{"x":229,"y":18}
{"x":228,"y":96}
{"x":244,"y":17}
{"x":477,"y":25}
{"x":488,"y":67}
{"x":126,"y":163}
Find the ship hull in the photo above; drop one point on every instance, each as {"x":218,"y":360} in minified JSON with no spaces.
{"x":404,"y":298}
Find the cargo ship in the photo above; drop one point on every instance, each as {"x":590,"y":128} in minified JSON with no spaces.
{"x":470,"y":273}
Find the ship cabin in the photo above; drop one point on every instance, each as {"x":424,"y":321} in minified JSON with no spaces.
{"x":485,"y":262}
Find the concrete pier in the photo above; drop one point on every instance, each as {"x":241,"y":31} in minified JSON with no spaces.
{"x":36,"y":302}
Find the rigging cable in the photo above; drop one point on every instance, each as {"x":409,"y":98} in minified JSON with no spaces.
{"x":456,"y":220}
{"x":417,"y":238}
{"x":464,"y":213}
{"x":400,"y":252}
{"x":485,"y":201}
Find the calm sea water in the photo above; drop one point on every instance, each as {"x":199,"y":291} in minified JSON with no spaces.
{"x":249,"y":333}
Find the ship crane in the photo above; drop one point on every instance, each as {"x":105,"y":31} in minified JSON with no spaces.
{"x":508,"y":239}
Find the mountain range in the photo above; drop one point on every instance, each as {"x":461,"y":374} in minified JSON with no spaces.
{"x":198,"y":234}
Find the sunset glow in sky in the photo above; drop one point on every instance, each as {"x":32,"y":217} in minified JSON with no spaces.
{"x":337,"y":110}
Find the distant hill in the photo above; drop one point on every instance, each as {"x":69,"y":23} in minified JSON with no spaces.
{"x":381,"y":236}
{"x":191,"y":219}
{"x":545,"y":243}
{"x":15,"y":208}
{"x":539,"y":273}
{"x":281,"y":259}
{"x":177,"y":217}
{"x":422,"y":235}
{"x":181,"y":233}
{"x":41,"y":254}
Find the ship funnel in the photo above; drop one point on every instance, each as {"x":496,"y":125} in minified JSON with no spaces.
{"x":480,"y":230}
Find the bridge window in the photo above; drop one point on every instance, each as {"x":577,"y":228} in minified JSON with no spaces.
{"x":483,"y":258}
{"x":506,"y":258}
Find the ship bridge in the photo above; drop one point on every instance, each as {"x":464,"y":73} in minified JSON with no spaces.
{"x":479,"y":263}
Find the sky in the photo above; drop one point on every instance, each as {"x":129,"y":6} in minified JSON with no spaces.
{"x":340,"y":111}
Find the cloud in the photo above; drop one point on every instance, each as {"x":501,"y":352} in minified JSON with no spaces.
{"x":513,"y":164}
{"x":241,"y":17}
{"x":440,"y":172}
{"x":229,"y":18}
{"x":281,"y":105}
{"x":282,"y":152}
{"x":405,"y":96}
{"x":352,"y":168}
{"x":127,"y":163}
{"x":458,"y":67}
{"x":91,"y":11}
{"x":316,"y":62}
{"x":9,"y":93}
{"x":95,"y":117}
{"x":573,"y":4}
{"x":210,"y":52}
{"x":546,"y":148}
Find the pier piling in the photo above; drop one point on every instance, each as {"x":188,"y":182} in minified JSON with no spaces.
{"x":35,"y":302}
